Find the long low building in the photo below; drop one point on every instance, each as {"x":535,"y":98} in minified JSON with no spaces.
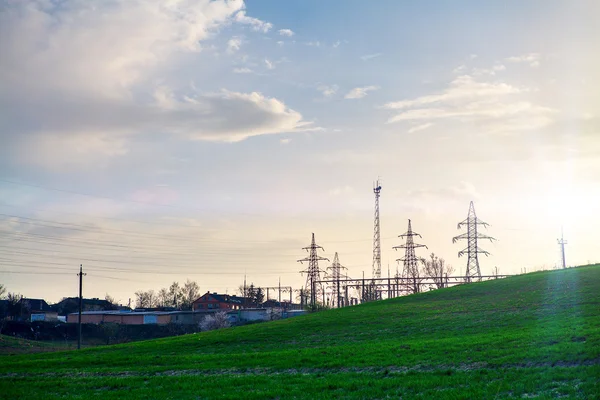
{"x":138,"y":317}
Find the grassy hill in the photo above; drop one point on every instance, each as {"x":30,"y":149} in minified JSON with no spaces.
{"x":529,"y":336}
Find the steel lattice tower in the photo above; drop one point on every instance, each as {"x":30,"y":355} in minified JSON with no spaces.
{"x":562,"y":243}
{"x":313,"y":272}
{"x":335,"y":275}
{"x":376,"y":235}
{"x":472,"y":250}
{"x":410,"y":270}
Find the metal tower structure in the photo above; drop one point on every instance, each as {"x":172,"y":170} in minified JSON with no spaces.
{"x":336,"y":275}
{"x":562,"y":243}
{"x":410,"y":271}
{"x":313,"y":272}
{"x":376,"y":234}
{"x":472,"y":250}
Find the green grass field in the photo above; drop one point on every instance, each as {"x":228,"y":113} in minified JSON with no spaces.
{"x":529,"y":336}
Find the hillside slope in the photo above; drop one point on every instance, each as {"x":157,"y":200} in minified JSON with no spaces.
{"x":534,"y":335}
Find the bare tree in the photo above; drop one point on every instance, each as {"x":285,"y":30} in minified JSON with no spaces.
{"x":164,"y":298}
{"x":216,"y":321}
{"x":437,"y":269}
{"x":175,"y":294}
{"x":110,"y":299}
{"x":2,"y":290}
{"x":146,"y":299}
{"x":190,"y":292}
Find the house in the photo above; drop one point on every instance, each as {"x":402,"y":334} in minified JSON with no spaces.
{"x":215,"y":301}
{"x":36,"y":310}
{"x":70,"y":305}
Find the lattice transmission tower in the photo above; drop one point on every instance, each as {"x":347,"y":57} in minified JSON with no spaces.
{"x":313,"y":272}
{"x":336,"y":276}
{"x":472,"y":250}
{"x":376,"y":234}
{"x":410,"y":271}
{"x":561,"y":243}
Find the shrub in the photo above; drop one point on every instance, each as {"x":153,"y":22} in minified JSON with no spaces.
{"x":216,"y":321}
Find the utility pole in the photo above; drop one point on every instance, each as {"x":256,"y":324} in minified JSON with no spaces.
{"x":473,"y":270}
{"x":376,"y":243}
{"x":562,"y":243}
{"x":410,"y":260}
{"x":80,"y":274}
{"x":313,"y":271}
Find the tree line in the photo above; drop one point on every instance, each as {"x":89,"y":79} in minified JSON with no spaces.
{"x":177,"y":296}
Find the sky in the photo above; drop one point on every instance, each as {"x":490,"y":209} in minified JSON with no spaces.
{"x":159,"y":141}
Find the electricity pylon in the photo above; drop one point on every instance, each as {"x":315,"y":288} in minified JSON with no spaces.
{"x":335,"y":275}
{"x":313,"y":272}
{"x":472,"y":250}
{"x":562,"y":243}
{"x":410,"y":271}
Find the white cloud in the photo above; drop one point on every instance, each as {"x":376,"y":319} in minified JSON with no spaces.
{"x":488,"y":71}
{"x":460,"y":69}
{"x":463,"y":87}
{"x":234,"y":44}
{"x":533,"y":59}
{"x":280,"y":42}
{"x":370,"y":56}
{"x":336,"y":44}
{"x":313,"y":44}
{"x":286,"y":32}
{"x":498,"y":107}
{"x":83,"y":78}
{"x":360,"y":92}
{"x":243,"y":70}
{"x":255,"y":23}
{"x":420,"y":127}
{"x":328,"y":91}
{"x":285,"y":141}
{"x":269,"y":64}
{"x":100,"y":40}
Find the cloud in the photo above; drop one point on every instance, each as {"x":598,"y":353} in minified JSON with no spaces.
{"x":84,"y":78}
{"x":285,"y":141}
{"x":370,"y":56}
{"x":421,"y":127}
{"x":286,"y":32}
{"x":488,"y":71}
{"x":461,"y":88}
{"x":313,"y":44}
{"x":234,"y":44}
{"x":533,"y":59}
{"x":243,"y":70}
{"x":121,"y":43}
{"x":255,"y":23}
{"x":360,"y":92}
{"x":460,"y":69}
{"x":328,"y":91}
{"x":496,"y":106}
{"x":269,"y":64}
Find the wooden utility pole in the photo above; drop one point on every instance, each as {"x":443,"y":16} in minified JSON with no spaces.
{"x":80,"y":274}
